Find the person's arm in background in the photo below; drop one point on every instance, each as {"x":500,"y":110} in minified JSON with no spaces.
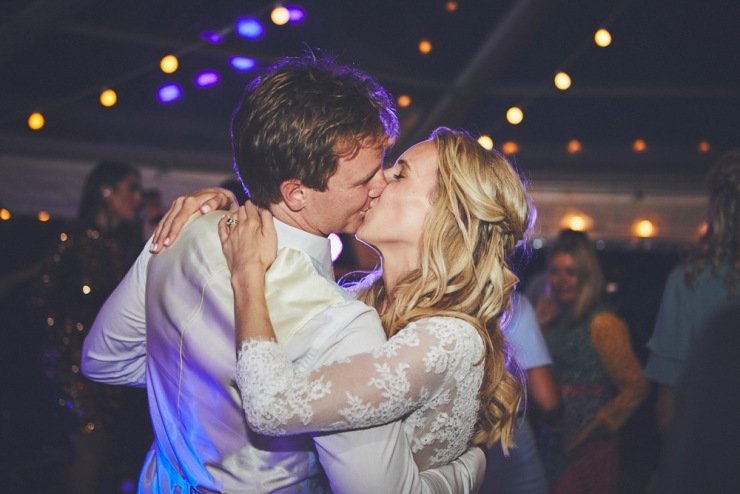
{"x":525,"y":337}
{"x":669,"y":346}
{"x":114,"y":351}
{"x":610,"y":339}
{"x":543,"y":393}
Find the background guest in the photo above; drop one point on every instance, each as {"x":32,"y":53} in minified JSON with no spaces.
{"x":106,"y":426}
{"x":592,"y":355}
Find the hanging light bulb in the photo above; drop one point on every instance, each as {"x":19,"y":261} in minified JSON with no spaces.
{"x":486,"y":142}
{"x":562,"y":81}
{"x":108,"y":98}
{"x":169,"y":64}
{"x":36,"y":121}
{"x":643,"y":228}
{"x":602,"y":38}
{"x":514,"y":115}
{"x":425,"y":47}
{"x":280,"y":15}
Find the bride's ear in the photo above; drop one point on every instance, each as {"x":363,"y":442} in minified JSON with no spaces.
{"x":294,"y":194}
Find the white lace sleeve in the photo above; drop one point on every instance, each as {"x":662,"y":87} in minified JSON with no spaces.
{"x":423,"y":363}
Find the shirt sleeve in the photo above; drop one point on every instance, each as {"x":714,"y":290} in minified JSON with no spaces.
{"x":669,"y":343}
{"x":525,"y":337}
{"x":611,"y":340}
{"x":114,"y":351}
{"x":364,"y":390}
{"x":381,"y":456}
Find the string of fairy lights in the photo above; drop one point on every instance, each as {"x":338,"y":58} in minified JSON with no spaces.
{"x":253,"y":27}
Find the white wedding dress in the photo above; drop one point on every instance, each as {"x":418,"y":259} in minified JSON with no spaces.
{"x":428,"y":374}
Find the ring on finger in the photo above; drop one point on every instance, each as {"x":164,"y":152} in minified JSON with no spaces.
{"x":230,"y":221}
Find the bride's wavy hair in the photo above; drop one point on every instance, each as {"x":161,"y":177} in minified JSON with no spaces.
{"x":480,"y":213}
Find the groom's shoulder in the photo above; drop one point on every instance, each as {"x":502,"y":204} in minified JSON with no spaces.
{"x":197,"y":243}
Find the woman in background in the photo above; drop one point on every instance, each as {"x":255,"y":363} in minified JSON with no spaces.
{"x":599,"y":376}
{"x":91,"y":257}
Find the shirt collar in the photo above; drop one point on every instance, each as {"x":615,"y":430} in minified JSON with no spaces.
{"x":316,"y":246}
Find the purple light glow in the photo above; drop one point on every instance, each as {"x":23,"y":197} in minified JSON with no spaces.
{"x":297,"y":14}
{"x":207,"y":79}
{"x":250,"y":28}
{"x":169,"y":93}
{"x":212,"y":37}
{"x":243,"y":63}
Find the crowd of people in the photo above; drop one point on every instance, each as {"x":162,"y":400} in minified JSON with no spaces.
{"x":429,"y":374}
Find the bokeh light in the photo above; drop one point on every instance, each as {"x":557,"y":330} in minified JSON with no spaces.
{"x":562,"y":81}
{"x":169,"y":93}
{"x":108,"y":98}
{"x":43,"y":216}
{"x":451,"y":6}
{"x":602,"y":38}
{"x":36,"y":121}
{"x":514,"y":115}
{"x":207,"y":78}
{"x":486,"y":142}
{"x":510,"y":147}
{"x":5,"y":214}
{"x":250,"y":28}
{"x":574,"y":146}
{"x":280,"y":15}
{"x":639,"y":146}
{"x":404,"y":100}
{"x":169,"y":64}
{"x":704,"y":146}
{"x":578,"y":222}
{"x":425,"y":47}
{"x":643,"y":228}
{"x":243,"y":63}
{"x":297,"y":14}
{"x":335,"y":246}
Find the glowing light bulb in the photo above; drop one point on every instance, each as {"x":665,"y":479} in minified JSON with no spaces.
{"x":451,"y":6}
{"x":574,"y":146}
{"x":86,"y":289}
{"x":36,"y":121}
{"x":425,"y":47}
{"x":207,"y":78}
{"x":43,"y":216}
{"x":108,"y":98}
{"x":243,"y":63}
{"x":514,"y":115}
{"x":562,"y":81}
{"x":250,"y":28}
{"x":643,"y":229}
{"x":169,"y":64}
{"x":404,"y":100}
{"x":486,"y":142}
{"x":5,"y":214}
{"x":577,"y":223}
{"x":280,"y":15}
{"x":169,"y":93}
{"x":639,"y":146}
{"x":510,"y":147}
{"x":704,"y":146}
{"x":602,"y":38}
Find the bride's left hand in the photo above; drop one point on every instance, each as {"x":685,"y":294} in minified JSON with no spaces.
{"x":248,"y":240}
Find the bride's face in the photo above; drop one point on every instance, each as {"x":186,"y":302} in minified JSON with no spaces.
{"x":396,"y":218}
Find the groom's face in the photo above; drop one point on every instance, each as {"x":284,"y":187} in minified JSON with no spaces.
{"x":341,"y":207}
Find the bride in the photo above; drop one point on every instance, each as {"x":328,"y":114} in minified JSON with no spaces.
{"x":449,"y":218}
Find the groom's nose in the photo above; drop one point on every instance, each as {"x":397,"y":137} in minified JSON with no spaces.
{"x":377,"y":184}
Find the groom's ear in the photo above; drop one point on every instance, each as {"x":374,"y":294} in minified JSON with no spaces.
{"x":293,"y":193}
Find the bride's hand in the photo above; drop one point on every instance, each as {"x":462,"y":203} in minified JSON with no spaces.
{"x":184,"y":207}
{"x":248,"y":240}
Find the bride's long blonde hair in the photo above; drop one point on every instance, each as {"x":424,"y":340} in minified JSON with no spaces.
{"x":480,"y":213}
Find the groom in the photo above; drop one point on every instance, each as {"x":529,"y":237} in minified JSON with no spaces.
{"x":308,"y":139}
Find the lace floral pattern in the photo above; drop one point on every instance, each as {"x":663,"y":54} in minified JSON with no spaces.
{"x":429,"y":374}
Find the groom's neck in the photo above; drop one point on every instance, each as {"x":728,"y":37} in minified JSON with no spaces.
{"x":293,"y":218}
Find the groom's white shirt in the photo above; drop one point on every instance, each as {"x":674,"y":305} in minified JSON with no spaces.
{"x":169,"y":326}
